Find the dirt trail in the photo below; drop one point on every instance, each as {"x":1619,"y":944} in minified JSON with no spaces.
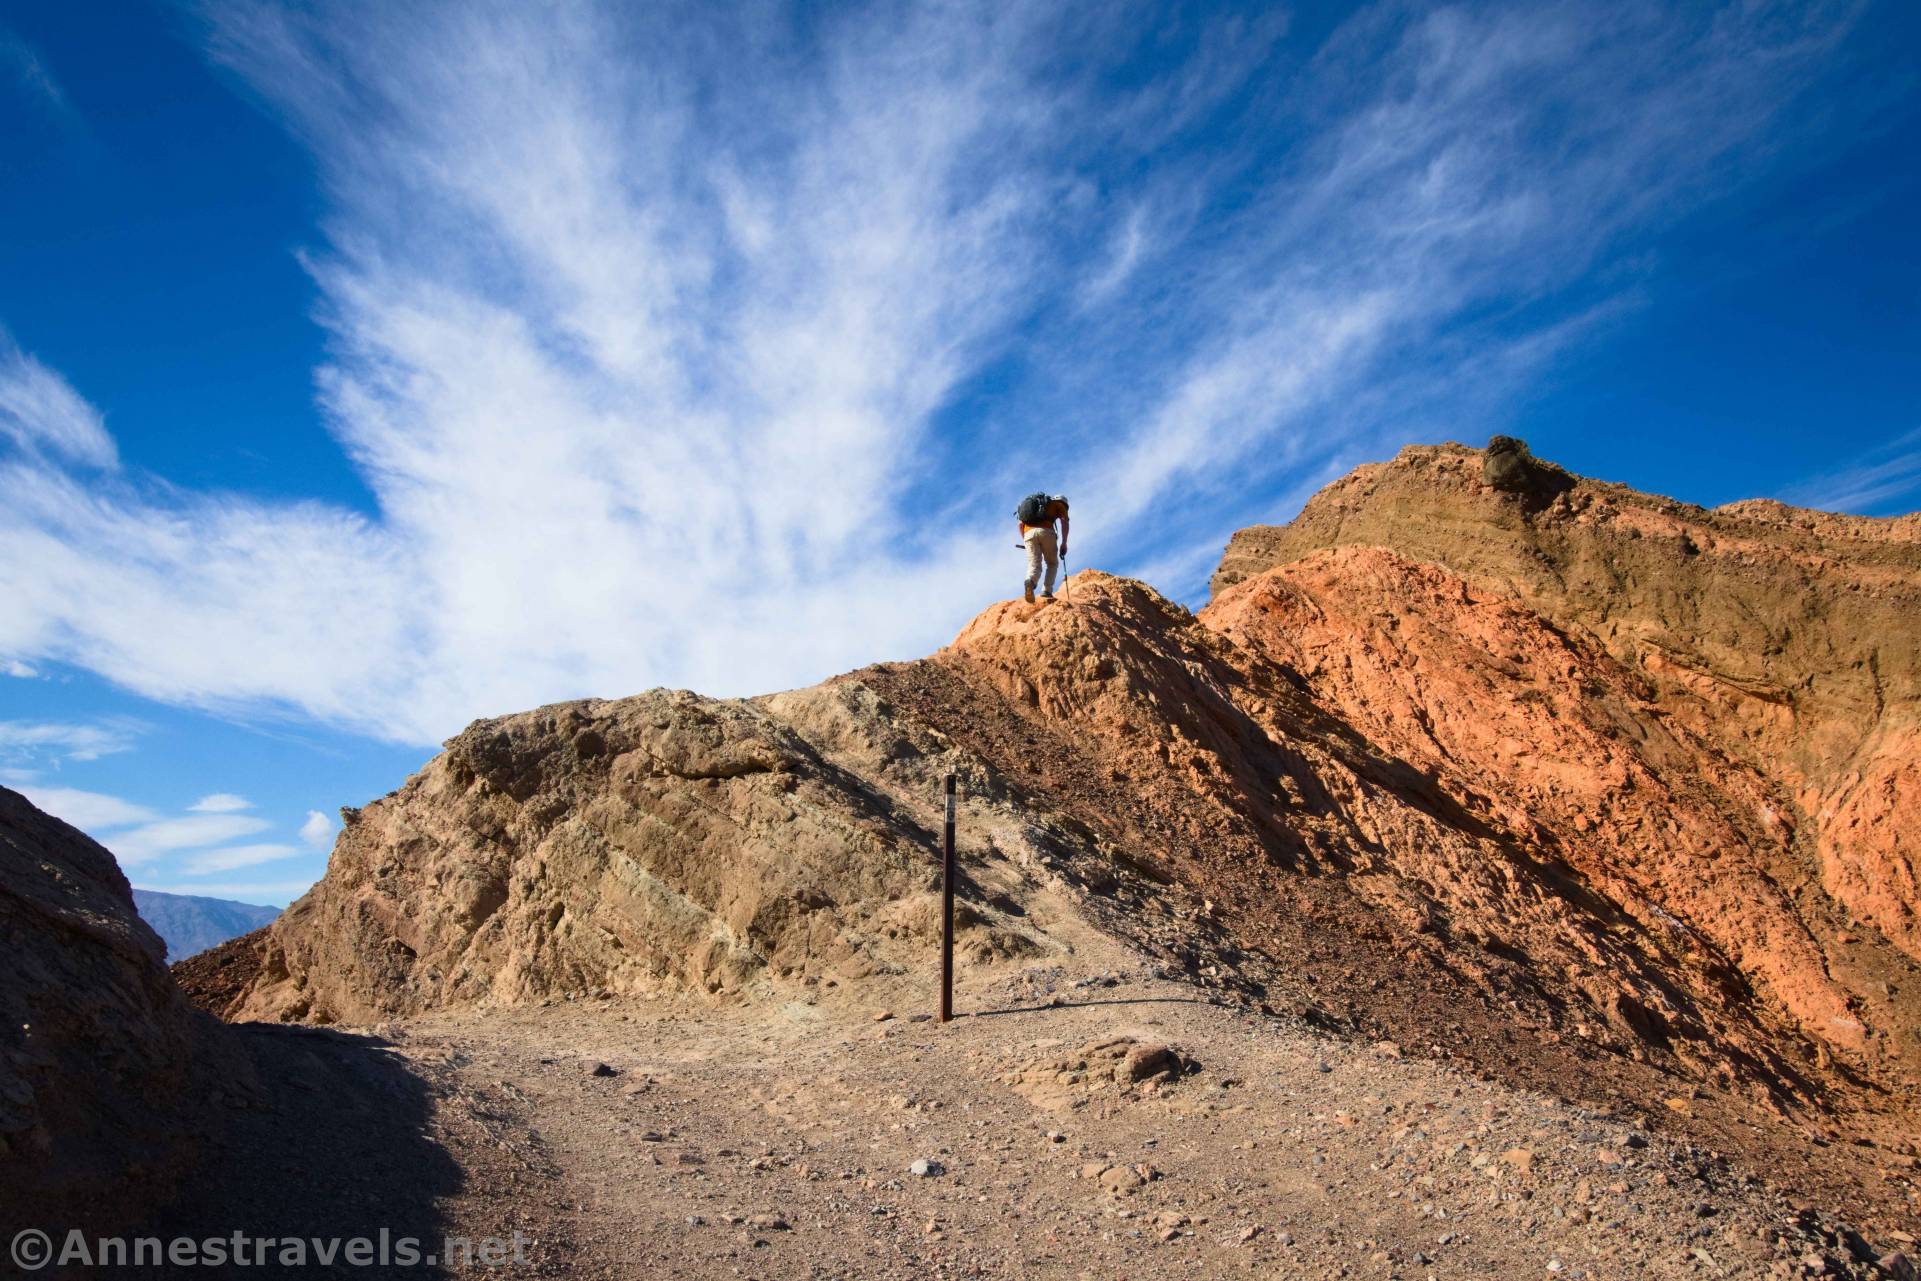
{"x":645,"y":1139}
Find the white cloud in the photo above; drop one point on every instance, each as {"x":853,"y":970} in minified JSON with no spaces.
{"x":67,"y":740}
{"x":220,"y":803}
{"x":14,"y":667}
{"x":1872,"y":481}
{"x":40,"y":412}
{"x":642,"y":327}
{"x":138,"y":835}
{"x":163,"y":836}
{"x":1126,"y":248}
{"x":22,"y":64}
{"x":317,"y":831}
{"x":229,"y":857}
{"x":91,"y":812}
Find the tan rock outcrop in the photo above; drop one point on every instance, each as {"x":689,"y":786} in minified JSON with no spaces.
{"x":663,"y":843}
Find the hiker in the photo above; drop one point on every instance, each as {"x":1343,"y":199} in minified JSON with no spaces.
{"x":1037,"y":514}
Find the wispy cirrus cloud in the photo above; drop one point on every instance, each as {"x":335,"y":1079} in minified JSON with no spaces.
{"x":92,"y":812}
{"x":231,"y":857}
{"x":67,"y":740}
{"x":44,"y":416}
{"x":710,"y":347}
{"x":22,"y":65}
{"x":148,"y":841}
{"x":1865,"y":484}
{"x":206,"y":839}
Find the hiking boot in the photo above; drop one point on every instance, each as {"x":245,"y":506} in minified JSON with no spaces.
{"x":1028,"y":595}
{"x":1047,"y":595}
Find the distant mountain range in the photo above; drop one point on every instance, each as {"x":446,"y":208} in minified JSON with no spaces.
{"x":191,"y":924}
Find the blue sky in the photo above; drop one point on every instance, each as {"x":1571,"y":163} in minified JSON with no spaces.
{"x":369,"y":369}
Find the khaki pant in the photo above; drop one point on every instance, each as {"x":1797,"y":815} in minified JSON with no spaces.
{"x":1042,"y":547}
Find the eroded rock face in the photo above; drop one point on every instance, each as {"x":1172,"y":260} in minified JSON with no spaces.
{"x":104,"y":1068}
{"x":1789,"y":638}
{"x":1542,"y":732}
{"x":1364,"y":759}
{"x":664,"y":843}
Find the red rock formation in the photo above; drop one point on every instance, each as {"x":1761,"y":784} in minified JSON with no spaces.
{"x":1791,"y":638}
{"x":1368,"y":743}
{"x":1543,"y":732}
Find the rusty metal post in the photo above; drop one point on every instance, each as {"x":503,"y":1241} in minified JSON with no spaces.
{"x":947,"y":909}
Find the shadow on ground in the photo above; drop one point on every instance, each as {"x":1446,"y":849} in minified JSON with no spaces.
{"x":339,"y":1146}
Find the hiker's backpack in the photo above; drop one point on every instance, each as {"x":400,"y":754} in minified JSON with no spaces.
{"x":1033,"y":510}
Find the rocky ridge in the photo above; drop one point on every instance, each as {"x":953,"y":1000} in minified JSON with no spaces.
{"x":1789,"y":637}
{"x":654,"y":845}
{"x":1371,"y":789}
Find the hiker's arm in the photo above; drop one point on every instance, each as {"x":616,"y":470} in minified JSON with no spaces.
{"x":1063,"y":534}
